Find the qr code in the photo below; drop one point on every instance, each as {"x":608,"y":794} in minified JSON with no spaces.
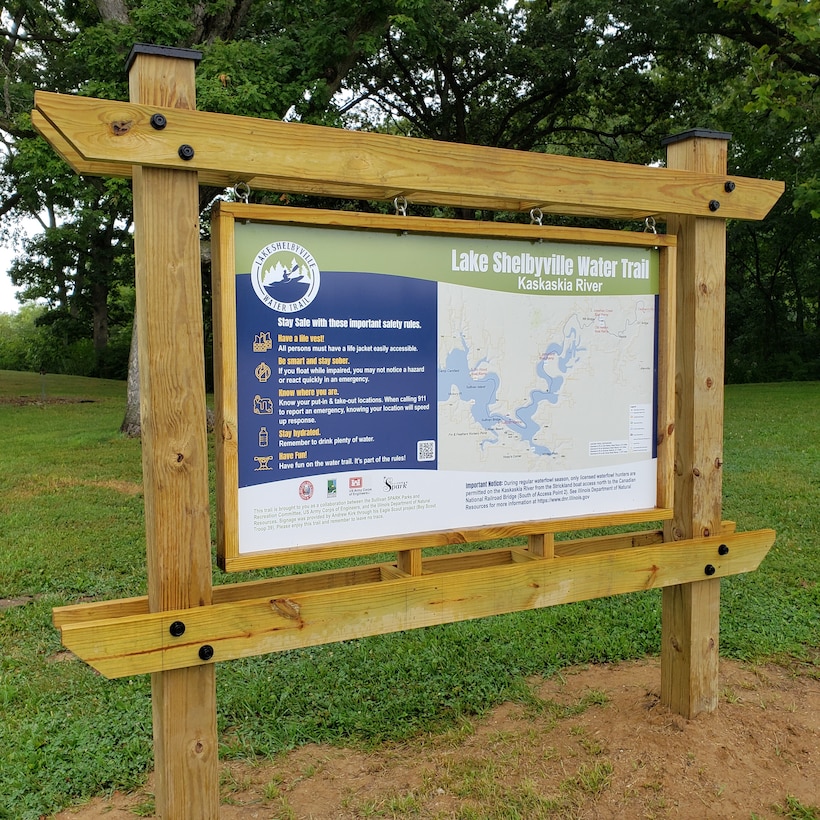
{"x":426,"y":450}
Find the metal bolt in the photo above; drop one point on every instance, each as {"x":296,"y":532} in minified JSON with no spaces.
{"x":177,"y":629}
{"x":185,"y":152}
{"x":723,"y":550}
{"x":729,"y":186}
{"x":708,"y":569}
{"x":206,"y":652}
{"x":158,"y":121}
{"x":714,"y":205}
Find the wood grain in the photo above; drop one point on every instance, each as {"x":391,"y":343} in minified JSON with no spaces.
{"x":290,"y":618}
{"x":311,"y":159}
{"x":691,"y":614}
{"x":174,"y":446}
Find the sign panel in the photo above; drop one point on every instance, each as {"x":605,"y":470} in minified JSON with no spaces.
{"x":392,"y":383}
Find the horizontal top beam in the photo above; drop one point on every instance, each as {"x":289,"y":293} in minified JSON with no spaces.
{"x":107,"y":138}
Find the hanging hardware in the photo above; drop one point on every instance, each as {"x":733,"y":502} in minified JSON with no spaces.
{"x":400,"y":203}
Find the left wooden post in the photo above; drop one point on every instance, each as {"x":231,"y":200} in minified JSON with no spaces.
{"x":174,"y":438}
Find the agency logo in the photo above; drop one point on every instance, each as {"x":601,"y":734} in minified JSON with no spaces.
{"x":306,"y":490}
{"x":391,"y":484}
{"x":285,"y":277}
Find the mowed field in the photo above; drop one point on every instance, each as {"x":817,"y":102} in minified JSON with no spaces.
{"x":460,"y":702}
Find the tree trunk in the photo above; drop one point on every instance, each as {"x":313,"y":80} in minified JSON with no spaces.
{"x":131,"y":425}
{"x":99,"y":296}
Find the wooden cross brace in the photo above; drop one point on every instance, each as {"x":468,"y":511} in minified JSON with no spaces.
{"x":120,"y":638}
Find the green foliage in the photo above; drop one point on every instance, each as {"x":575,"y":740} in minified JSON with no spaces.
{"x":782,"y":75}
{"x":584,"y":78}
{"x":21,"y":343}
{"x":71,"y":528}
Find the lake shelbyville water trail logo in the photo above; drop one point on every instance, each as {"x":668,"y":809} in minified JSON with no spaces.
{"x":285,"y":276}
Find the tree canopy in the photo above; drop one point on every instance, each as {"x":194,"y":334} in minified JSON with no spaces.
{"x":584,"y":78}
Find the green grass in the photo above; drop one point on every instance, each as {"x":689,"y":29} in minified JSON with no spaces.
{"x":71,"y":528}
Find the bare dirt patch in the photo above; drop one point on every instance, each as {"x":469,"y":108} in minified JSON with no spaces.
{"x":590,"y":743}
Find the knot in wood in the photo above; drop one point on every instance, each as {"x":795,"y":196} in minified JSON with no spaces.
{"x":120,"y":127}
{"x":287,"y":608}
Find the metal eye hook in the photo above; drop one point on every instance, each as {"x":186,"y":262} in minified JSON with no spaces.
{"x":400,"y":203}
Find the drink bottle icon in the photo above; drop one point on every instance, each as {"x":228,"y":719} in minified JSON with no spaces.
{"x":263,"y":436}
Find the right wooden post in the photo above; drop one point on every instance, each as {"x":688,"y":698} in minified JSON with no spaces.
{"x":691,"y":612}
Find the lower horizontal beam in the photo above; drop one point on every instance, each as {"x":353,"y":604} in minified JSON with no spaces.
{"x":153,"y":642}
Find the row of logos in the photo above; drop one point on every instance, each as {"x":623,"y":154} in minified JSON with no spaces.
{"x":355,"y":485}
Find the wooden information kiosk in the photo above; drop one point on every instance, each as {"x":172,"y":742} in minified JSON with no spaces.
{"x":184,"y":625}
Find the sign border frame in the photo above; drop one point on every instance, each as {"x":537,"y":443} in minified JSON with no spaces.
{"x":224,"y":217}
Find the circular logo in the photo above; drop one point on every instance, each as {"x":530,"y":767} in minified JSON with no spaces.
{"x":285,"y":277}
{"x":306,"y":490}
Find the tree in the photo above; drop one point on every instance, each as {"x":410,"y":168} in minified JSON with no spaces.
{"x":588,"y":78}
{"x":281,"y":60}
{"x":782,"y":75}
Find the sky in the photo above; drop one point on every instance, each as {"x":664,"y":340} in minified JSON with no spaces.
{"x":8,"y":304}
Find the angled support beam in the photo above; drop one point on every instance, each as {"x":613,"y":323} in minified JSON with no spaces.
{"x":104,"y":136}
{"x":289,"y":613}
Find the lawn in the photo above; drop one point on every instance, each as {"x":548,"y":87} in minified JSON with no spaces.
{"x":71,"y":530}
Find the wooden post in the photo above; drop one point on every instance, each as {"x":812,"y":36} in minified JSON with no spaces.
{"x":691,"y":612}
{"x":174,"y":439}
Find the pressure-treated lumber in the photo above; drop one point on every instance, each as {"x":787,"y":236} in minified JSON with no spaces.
{"x":174,"y":446}
{"x":438,"y":538}
{"x":502,"y":581}
{"x":358,"y":220}
{"x":691,"y":613}
{"x":310,"y":159}
{"x":74,"y":614}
